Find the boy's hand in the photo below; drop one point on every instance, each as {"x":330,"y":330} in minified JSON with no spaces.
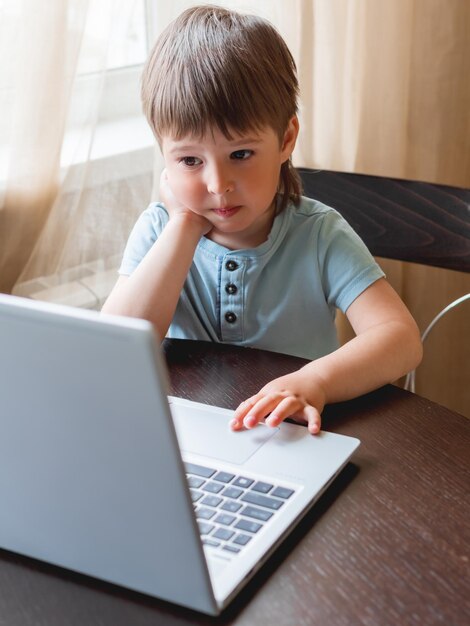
{"x":279,"y":399}
{"x":174,"y":207}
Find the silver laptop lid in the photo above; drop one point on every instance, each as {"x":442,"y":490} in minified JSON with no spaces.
{"x":86,"y":445}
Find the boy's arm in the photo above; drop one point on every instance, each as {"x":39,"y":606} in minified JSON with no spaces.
{"x":387,"y":346}
{"x":153,"y":289}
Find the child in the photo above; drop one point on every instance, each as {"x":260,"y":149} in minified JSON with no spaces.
{"x":233,"y":253}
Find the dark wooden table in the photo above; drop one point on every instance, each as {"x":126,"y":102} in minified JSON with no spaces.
{"x":388,"y":543}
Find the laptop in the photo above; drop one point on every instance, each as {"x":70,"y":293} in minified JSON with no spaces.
{"x":102,"y":472}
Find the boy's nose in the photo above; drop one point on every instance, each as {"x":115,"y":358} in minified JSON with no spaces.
{"x":219,"y":183}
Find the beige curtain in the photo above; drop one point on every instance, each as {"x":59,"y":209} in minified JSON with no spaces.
{"x":66,"y":202}
{"x":385,"y":91}
{"x":39,"y":54}
{"x":385,"y":88}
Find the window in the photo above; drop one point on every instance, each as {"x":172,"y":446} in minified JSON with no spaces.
{"x":123,"y":25}
{"x":113,"y":50}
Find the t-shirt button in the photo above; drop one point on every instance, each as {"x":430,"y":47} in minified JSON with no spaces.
{"x":230,"y":317}
{"x":231,"y":288}
{"x":231,"y":265}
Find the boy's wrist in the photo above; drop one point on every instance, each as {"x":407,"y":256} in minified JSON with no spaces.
{"x":316,"y":384}
{"x":190,"y":223}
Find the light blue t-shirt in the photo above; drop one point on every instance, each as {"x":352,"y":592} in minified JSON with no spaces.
{"x":282,"y":295}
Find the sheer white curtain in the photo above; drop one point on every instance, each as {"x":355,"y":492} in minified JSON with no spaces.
{"x":64,"y":201}
{"x":39,"y":53}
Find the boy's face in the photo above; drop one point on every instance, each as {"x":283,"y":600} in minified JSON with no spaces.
{"x":232,"y":183}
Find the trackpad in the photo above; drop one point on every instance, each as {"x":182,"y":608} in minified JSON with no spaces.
{"x":206,"y":432}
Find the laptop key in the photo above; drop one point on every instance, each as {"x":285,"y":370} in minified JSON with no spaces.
{"x":251,"y":527}
{"x":195,"y":495}
{"x":224,"y":477}
{"x":212,"y":501}
{"x":232,"y":492}
{"x":213,"y":487}
{"x":223,"y":533}
{"x":255,"y":513}
{"x":242,"y":481}
{"x":242,"y":539}
{"x":260,"y":500}
{"x":231,"y":505}
{"x":230,"y":548}
{"x":194,"y":481}
{"x":225,"y":519}
{"x":211,"y":542}
{"x":203,"y":513}
{"x":205,"y":528}
{"x":199,"y":470}
{"x":282,"y":492}
{"x":262,"y":487}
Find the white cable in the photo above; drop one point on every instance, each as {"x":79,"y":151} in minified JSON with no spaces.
{"x":410,"y":379}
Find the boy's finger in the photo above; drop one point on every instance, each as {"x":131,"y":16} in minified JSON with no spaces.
{"x":236,"y":422}
{"x":287,"y":407}
{"x":244,"y":406}
{"x":313,"y":419}
{"x":260,"y":410}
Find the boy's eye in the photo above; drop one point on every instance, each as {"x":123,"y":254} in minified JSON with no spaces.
{"x":190,"y":161}
{"x":241,"y":155}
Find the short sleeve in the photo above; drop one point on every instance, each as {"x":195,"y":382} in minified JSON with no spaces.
{"x":347,"y":266}
{"x":144,"y":234}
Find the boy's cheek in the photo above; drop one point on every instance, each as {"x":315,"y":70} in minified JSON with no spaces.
{"x":189,"y":197}
{"x":179,"y":189}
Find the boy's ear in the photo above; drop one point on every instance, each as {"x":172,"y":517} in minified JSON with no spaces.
{"x":290,"y":138}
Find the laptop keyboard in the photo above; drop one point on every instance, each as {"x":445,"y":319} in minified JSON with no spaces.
{"x":231,"y":509}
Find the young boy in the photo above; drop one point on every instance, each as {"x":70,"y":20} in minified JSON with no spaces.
{"x":233,"y":253}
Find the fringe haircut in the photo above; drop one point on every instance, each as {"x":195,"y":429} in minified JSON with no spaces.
{"x":212,"y":67}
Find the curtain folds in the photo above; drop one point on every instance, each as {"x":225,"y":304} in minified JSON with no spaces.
{"x":385,"y":88}
{"x":63,"y":202}
{"x":36,"y":77}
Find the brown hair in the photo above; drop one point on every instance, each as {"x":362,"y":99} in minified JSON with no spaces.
{"x":215,"y":67}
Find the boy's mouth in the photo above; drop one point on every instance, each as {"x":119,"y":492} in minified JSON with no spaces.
{"x":227,"y":211}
